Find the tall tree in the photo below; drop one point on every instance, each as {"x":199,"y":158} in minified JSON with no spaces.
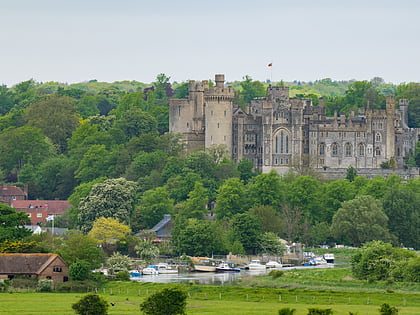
{"x":12,"y":224}
{"x":56,"y":116}
{"x":361,"y":220}
{"x":229,"y":200}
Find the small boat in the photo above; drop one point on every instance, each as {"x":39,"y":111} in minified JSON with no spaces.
{"x":164,"y":268}
{"x":150,"y":270}
{"x":255,"y":264}
{"x":227,"y":267}
{"x":329,"y":258}
{"x":204,"y":264}
{"x":134,"y":274}
{"x":272,"y":264}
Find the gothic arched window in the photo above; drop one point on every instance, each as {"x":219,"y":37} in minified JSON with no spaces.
{"x":334,"y":149}
{"x":361,"y":149}
{"x":281,"y":141}
{"x":377,"y":151}
{"x":322,"y":149}
{"x":347,"y":149}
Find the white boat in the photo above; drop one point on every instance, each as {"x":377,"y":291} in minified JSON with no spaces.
{"x":134,"y":274}
{"x":255,"y":264}
{"x":164,"y":268}
{"x":150,"y":270}
{"x":227,"y":267}
{"x":329,"y":258}
{"x":273,"y":264}
{"x":204,"y":268}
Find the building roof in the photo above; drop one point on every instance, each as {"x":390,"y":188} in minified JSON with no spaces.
{"x":6,"y":190}
{"x":25,"y":263}
{"x":52,"y":206}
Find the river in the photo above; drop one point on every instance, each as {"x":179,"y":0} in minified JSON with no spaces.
{"x":215,"y":278}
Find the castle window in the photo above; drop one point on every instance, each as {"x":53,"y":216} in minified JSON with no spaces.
{"x":348,"y":149}
{"x":225,"y":113}
{"x":188,"y":125}
{"x":398,"y":152}
{"x":224,"y":138}
{"x":361,"y":149}
{"x":281,"y":142}
{"x":179,"y":110}
{"x":322,"y":149}
{"x":377,"y":151}
{"x":218,"y":125}
{"x":378,"y":137}
{"x":334,"y":149}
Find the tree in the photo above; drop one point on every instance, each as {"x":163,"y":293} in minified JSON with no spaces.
{"x":376,"y":260}
{"x":269,"y":243}
{"x":56,"y":116}
{"x":386,"y":309}
{"x":229,"y":200}
{"x":108,"y":230}
{"x":247,"y":230}
{"x":250,"y":90}
{"x":80,"y":270}
{"x":196,"y":204}
{"x":91,"y":304}
{"x":270,"y":220}
{"x":169,"y":301}
{"x":118,"y":262}
{"x":135,"y":122}
{"x":12,"y":224}
{"x":265,"y":189}
{"x":6,"y":100}
{"x":245,"y":167}
{"x":78,"y":247}
{"x":112,"y":198}
{"x":351,"y":173}
{"x":291,"y":217}
{"x":147,"y":250}
{"x":95,"y":163}
{"x":360,"y":220}
{"x":153,"y":205}
{"x":19,"y":146}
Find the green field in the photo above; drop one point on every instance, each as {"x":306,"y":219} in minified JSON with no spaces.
{"x":204,"y":299}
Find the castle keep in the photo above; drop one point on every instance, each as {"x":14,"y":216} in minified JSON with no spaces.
{"x":278,"y":132}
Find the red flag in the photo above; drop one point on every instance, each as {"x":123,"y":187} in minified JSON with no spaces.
{"x":270,"y":64}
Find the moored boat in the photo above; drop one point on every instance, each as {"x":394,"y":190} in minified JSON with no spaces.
{"x":227,"y":267}
{"x":255,"y":264}
{"x":164,"y":268}
{"x":272,"y":264}
{"x":150,"y":270}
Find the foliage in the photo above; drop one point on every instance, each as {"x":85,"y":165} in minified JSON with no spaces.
{"x":80,"y":270}
{"x":108,"y":230}
{"x":360,"y":220}
{"x":17,"y":246}
{"x":91,"y":304}
{"x":247,"y":230}
{"x":45,"y":285}
{"x":147,"y":250}
{"x":320,"y":311}
{"x":12,"y":224}
{"x":268,"y":217}
{"x":270,"y":244}
{"x":229,"y":199}
{"x":112,"y":198}
{"x":351,"y":173}
{"x":118,"y":262}
{"x":168,"y":301}
{"x":376,"y":260}
{"x":276,"y":273}
{"x":286,"y":311}
{"x":386,"y":309}
{"x":122,"y":275}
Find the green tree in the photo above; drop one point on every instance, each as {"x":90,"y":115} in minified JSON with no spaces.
{"x":269,"y":243}
{"x":12,"y":224}
{"x":56,"y":116}
{"x":80,"y":270}
{"x":135,"y":122}
{"x":270,"y":220}
{"x":361,"y":220}
{"x":112,"y":198}
{"x":19,"y":146}
{"x":265,"y":189}
{"x":147,"y":250}
{"x":77,"y":247}
{"x":117,"y":263}
{"x":245,"y":168}
{"x":108,"y":230}
{"x":95,"y":163}
{"x":386,"y":309}
{"x":247,"y":230}
{"x":229,"y":200}
{"x":250,"y":90}
{"x":196,"y":204}
{"x":91,"y":304}
{"x":376,"y":260}
{"x":6,"y":100}
{"x":351,"y":173}
{"x":153,"y":205}
{"x":169,"y":301}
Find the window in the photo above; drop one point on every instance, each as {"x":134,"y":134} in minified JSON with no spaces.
{"x":334,"y":149}
{"x":361,"y":149}
{"x":347,"y":149}
{"x":378,"y":137}
{"x":377,"y":151}
{"x":39,"y":215}
{"x":57,"y":269}
{"x":322,"y":149}
{"x":281,"y":142}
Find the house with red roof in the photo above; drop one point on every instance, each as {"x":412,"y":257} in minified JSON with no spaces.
{"x":39,"y":210}
{"x":10,"y":193}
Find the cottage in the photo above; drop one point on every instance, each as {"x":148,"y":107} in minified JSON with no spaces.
{"x":39,"y":210}
{"x":43,"y":266}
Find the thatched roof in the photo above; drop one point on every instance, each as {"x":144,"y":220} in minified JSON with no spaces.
{"x":25,"y":263}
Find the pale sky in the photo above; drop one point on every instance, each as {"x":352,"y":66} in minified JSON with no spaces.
{"x":79,"y":40}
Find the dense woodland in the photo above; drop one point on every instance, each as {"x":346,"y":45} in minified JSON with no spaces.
{"x":106,"y":148}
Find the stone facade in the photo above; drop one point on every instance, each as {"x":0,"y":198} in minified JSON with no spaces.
{"x":278,"y":132}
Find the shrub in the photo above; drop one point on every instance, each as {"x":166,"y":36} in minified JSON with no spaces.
{"x":45,"y":285}
{"x":75,"y":286}
{"x":91,"y":304}
{"x":80,"y":270}
{"x":286,"y":310}
{"x":168,"y":301}
{"x":122,"y":276}
{"x":276,"y":273}
{"x":386,"y":309}
{"x":319,"y":311}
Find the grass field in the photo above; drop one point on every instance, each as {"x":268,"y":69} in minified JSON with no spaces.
{"x":202,"y":299}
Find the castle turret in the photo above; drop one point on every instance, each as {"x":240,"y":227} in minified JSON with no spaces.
{"x":218,"y":114}
{"x":390,"y":128}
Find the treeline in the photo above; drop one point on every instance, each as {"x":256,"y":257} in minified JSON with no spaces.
{"x":109,"y":153}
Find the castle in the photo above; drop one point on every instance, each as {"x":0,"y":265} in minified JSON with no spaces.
{"x":278,"y":132}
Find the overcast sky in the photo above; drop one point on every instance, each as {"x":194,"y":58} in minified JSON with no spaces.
{"x":80,"y":40}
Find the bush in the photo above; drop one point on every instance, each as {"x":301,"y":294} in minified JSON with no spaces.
{"x":91,"y":304}
{"x":45,"y":285}
{"x":168,"y":301}
{"x":4,"y":284}
{"x":80,"y":270}
{"x":76,"y":286}
{"x":286,"y":310}
{"x":386,"y":309}
{"x":276,"y":273}
{"x":122,"y":276}
{"x":319,"y":311}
